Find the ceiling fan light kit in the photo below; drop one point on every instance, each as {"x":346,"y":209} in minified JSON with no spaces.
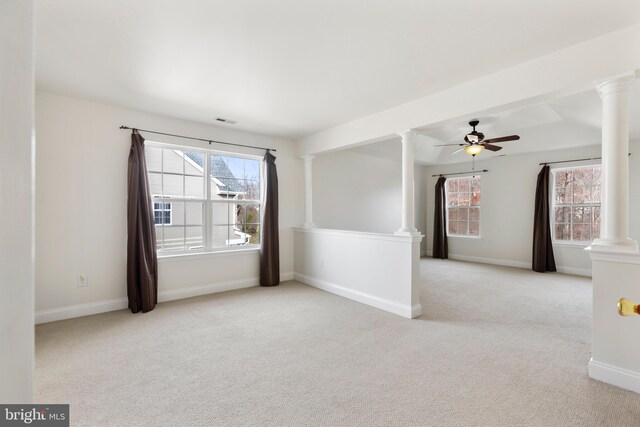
{"x":474,"y":149}
{"x":475,"y":142}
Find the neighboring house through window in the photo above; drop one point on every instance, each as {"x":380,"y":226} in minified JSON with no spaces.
{"x":463,"y":206}
{"x":576,"y":204}
{"x":203,"y":200}
{"x":161,"y":213}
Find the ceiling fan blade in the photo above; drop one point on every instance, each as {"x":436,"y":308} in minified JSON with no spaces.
{"x":448,"y":145}
{"x":492,"y":147}
{"x":458,"y":150}
{"x":502,"y":139}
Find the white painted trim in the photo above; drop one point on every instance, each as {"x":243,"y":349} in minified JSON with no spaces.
{"x":80,"y":310}
{"x":361,"y":297}
{"x":575,"y":271}
{"x":401,"y":238}
{"x":517,"y":264}
{"x":619,"y":377}
{"x":255,"y":250}
{"x":482,"y":260}
{"x":622,"y":256}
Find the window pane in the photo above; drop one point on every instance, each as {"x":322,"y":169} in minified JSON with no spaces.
{"x":153,"y":156}
{"x":453,"y":227}
{"x":172,"y":161}
{"x":193,"y":213}
{"x":463,"y":214}
{"x":475,"y":199}
{"x":561,"y":178}
{"x":194,"y":187}
{"x":220,"y":214}
{"x":475,"y":185}
{"x":172,"y":185}
{"x":252,"y":231}
{"x":474,"y":214}
{"x":452,"y":185}
{"x":194,"y":238}
{"x":581,"y":232}
{"x":462,"y":228}
{"x":463,"y":185}
{"x":562,"y":232}
{"x":453,"y":214}
{"x":173,"y":239}
{"x":155,"y":184}
{"x":563,"y":197}
{"x":474,"y":228}
{"x":463,"y":199}
{"x":452,"y":199}
{"x":194,"y":163}
{"x":581,"y":192}
{"x":563,"y":214}
{"x":159,"y":236}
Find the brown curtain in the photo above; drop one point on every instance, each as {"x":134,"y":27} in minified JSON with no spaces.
{"x":269,"y":240}
{"x":142,"y":262}
{"x":543,"y":259}
{"x":440,"y":245}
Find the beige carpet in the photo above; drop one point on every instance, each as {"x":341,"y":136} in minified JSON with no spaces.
{"x":496,"y":347}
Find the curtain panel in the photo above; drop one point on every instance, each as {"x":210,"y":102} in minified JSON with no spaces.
{"x":543,"y":259}
{"x":142,"y":262}
{"x":440,"y":245}
{"x":269,"y":232}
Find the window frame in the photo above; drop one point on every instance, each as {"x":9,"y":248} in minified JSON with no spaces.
{"x":479,"y":207}
{"x":553,"y":205}
{"x":207,"y":201}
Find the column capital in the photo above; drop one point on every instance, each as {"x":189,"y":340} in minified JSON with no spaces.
{"x":618,"y":84}
{"x":307,"y":157}
{"x":410,"y":134}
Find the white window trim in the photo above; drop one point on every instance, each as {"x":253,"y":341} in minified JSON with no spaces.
{"x":552,"y":217}
{"x":446,"y":198}
{"x":207,"y":226}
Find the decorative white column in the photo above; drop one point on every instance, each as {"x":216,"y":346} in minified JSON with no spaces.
{"x":308,"y":192}
{"x":408,"y":142}
{"x":615,"y":166}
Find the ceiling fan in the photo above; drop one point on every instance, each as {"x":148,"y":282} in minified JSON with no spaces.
{"x":475,"y":141}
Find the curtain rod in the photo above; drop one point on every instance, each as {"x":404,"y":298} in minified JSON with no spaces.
{"x":198,"y":139}
{"x":574,"y":160}
{"x":459,"y":173}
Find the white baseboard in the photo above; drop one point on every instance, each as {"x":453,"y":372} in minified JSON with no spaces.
{"x":79,"y":310}
{"x":361,"y":297}
{"x":619,"y":377}
{"x":517,"y":264}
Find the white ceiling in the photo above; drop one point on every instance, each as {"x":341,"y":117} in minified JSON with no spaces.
{"x":294,"y":67}
{"x":567,"y":122}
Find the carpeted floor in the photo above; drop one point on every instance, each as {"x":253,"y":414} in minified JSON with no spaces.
{"x":496,"y":346}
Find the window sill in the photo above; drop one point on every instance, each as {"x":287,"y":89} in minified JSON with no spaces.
{"x":577,"y":245}
{"x":208,"y":255}
{"x":464,"y":237}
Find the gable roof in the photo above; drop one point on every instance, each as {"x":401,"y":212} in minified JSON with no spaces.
{"x":225,"y":180}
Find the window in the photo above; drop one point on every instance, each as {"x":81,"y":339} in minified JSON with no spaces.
{"x":463,"y":206}
{"x":576,"y":204}
{"x":162,"y":213}
{"x":203,"y":200}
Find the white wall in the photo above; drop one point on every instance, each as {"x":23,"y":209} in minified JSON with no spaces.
{"x":361,"y":192}
{"x":380,"y":270}
{"x":16,"y":193}
{"x":507,"y":207}
{"x":81,"y":208}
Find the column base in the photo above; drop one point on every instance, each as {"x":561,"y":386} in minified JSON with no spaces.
{"x":407,"y":232}
{"x":309,"y":225}
{"x":608,"y":245}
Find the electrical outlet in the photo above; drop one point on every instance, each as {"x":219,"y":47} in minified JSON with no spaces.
{"x":82,"y":281}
